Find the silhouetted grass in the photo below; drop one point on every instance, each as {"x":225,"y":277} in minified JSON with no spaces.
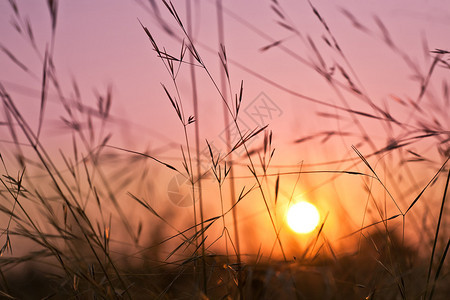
{"x":73,"y":215}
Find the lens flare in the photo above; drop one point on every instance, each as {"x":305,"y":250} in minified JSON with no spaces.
{"x":303,"y":217}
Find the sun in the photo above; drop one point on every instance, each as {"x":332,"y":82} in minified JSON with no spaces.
{"x":303,"y":217}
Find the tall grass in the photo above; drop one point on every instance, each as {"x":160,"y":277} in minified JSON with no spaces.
{"x":72,"y":215}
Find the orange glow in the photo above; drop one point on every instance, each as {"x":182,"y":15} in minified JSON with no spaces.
{"x":303,"y":217}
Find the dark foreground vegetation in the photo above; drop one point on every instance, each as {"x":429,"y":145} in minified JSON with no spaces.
{"x":67,"y":232}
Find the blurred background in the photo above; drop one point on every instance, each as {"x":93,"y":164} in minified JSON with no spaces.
{"x":354,"y":96}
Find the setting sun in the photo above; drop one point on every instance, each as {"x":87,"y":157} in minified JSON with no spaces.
{"x":303,"y":217}
{"x":224,"y":149}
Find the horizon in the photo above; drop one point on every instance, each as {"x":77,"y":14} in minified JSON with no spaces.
{"x":343,"y":105}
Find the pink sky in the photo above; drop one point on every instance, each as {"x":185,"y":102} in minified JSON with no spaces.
{"x":101,"y":44}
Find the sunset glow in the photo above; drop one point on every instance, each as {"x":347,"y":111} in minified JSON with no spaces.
{"x":303,"y":217}
{"x":224,"y":149}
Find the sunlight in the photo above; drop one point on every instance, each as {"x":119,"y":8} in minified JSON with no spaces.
{"x":303,"y":217}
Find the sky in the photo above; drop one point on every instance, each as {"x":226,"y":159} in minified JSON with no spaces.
{"x":101,"y":45}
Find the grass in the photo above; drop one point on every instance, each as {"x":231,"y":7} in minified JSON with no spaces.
{"x":72,"y":222}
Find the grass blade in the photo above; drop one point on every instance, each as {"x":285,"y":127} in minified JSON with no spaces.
{"x":437,"y":229}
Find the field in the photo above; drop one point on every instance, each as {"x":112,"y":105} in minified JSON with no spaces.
{"x":155,"y":150}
